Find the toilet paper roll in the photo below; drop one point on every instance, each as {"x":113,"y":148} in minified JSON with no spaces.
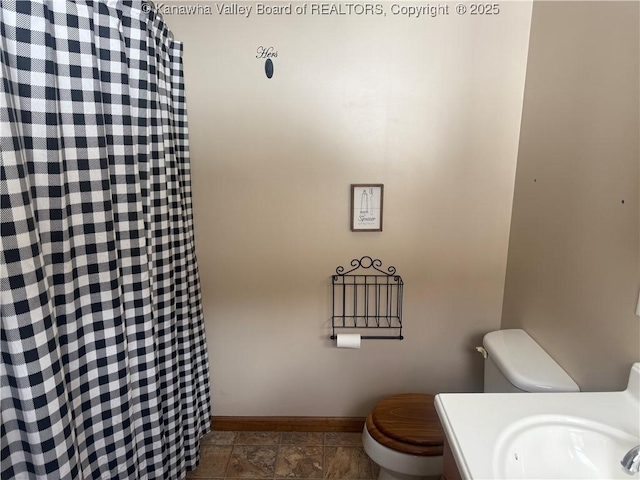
{"x":348,"y":340}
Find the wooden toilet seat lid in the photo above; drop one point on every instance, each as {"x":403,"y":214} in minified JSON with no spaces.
{"x":409,"y":418}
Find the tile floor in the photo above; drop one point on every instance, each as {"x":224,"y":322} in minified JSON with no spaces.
{"x":283,"y":455}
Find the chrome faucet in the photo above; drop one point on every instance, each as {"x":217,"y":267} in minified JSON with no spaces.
{"x":631,"y":461}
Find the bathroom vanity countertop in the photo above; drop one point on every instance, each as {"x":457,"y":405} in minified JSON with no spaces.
{"x":474,"y":423}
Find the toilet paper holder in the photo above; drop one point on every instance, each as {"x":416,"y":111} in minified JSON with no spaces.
{"x":367,"y":297}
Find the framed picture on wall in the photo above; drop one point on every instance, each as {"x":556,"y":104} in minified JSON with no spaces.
{"x":366,"y":207}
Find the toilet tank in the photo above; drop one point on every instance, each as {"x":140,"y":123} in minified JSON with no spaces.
{"x":516,"y":363}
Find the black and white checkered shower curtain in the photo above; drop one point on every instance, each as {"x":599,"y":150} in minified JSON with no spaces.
{"x":103,"y":361}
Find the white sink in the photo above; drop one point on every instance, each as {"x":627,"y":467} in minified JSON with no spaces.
{"x":578,"y":435}
{"x":571,"y":448}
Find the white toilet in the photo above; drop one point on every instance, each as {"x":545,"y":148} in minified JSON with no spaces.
{"x":402,"y":433}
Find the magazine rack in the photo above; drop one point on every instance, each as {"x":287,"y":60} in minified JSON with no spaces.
{"x":367,"y":298}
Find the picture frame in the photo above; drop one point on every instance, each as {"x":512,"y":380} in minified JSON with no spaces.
{"x":367,"y":200}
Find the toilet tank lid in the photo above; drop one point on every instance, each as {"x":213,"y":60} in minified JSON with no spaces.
{"x":525,"y":364}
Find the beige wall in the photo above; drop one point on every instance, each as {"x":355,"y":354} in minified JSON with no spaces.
{"x":431,"y":108}
{"x":572,"y":278}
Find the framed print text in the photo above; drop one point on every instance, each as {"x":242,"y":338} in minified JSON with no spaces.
{"x":366,"y":207}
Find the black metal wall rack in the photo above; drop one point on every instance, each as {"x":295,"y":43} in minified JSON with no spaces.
{"x":367,"y":297}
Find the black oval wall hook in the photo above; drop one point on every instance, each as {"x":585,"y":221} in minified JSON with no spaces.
{"x":268,"y":68}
